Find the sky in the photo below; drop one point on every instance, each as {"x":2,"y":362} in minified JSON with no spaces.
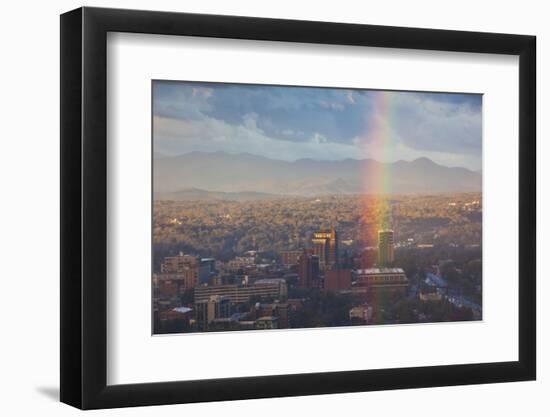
{"x":291,"y":123}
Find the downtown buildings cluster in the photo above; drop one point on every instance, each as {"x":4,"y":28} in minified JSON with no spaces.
{"x":204,"y":294}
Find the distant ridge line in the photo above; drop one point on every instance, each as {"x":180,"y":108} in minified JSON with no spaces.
{"x":232,"y":173}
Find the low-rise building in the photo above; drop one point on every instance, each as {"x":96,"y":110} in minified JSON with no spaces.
{"x":175,"y":320}
{"x":215,"y":307}
{"x":175,"y":283}
{"x":388,"y":279}
{"x":187,"y":270}
{"x":236,"y":293}
{"x":267,"y":322}
{"x":240,"y":263}
{"x":276,"y":309}
{"x":361,"y":314}
{"x":290,"y":257}
{"x":430,"y":296}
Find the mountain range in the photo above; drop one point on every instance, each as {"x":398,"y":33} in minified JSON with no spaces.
{"x":221,"y":175}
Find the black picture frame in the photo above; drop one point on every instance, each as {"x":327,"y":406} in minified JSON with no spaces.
{"x":84,"y":207}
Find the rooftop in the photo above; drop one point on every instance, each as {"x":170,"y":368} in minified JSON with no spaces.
{"x":267,"y":318}
{"x":224,"y":320}
{"x":270,"y":281}
{"x":373,"y":271}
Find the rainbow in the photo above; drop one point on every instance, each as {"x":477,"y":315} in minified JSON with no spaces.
{"x":377,"y":144}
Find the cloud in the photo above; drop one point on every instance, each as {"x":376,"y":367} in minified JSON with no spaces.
{"x":332,"y":105}
{"x":173,"y":137}
{"x":428,"y":124}
{"x":295,"y":122}
{"x":202,"y":92}
{"x":279,"y":109}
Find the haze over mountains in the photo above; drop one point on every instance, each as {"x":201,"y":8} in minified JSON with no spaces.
{"x":221,"y":175}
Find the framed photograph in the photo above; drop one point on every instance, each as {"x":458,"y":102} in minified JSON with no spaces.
{"x":256,"y":208}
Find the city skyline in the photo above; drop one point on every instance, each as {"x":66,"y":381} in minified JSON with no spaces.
{"x":298,"y":207}
{"x":390,"y":267}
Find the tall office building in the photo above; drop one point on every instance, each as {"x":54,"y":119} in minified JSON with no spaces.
{"x":385,"y":247}
{"x":308,"y":270}
{"x":325,"y":246}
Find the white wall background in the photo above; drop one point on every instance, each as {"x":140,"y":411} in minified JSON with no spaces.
{"x":29,"y":226}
